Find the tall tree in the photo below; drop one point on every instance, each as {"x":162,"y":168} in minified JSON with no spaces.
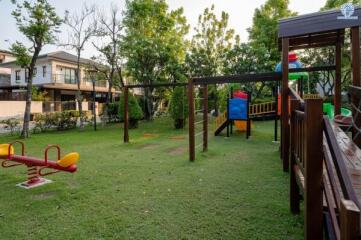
{"x":81,"y":27}
{"x":109,"y":34}
{"x":153,"y":44}
{"x":38,"y":21}
{"x":212,"y":39}
{"x":264,"y":30}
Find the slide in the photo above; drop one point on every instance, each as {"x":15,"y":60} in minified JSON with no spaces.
{"x":329,"y":109}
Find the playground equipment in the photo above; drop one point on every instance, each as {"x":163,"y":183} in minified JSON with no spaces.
{"x":37,"y":167}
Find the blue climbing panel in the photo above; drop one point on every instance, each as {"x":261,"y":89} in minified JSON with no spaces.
{"x":237,"y":109}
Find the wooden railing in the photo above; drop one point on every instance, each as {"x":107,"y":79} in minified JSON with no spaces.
{"x":220,"y":120}
{"x":318,"y":172}
{"x":311,"y":96}
{"x":262,"y":108}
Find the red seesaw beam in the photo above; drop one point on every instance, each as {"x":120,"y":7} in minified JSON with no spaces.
{"x":32,"y":161}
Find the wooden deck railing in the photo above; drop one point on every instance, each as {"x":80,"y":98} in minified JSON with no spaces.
{"x":262,"y":108}
{"x":319,"y":173}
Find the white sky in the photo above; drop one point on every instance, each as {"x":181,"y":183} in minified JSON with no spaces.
{"x":240,"y":11}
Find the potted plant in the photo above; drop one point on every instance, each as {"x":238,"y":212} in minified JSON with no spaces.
{"x":135,"y":111}
{"x":179,"y":107}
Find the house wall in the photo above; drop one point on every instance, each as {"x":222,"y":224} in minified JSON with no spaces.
{"x":38,"y":78}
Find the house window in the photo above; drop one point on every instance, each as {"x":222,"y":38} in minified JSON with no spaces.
{"x":35,"y":71}
{"x":17,"y":76}
{"x":44,"y":71}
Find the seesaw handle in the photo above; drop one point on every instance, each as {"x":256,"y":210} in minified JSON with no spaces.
{"x":12,"y":144}
{"x":47,"y":150}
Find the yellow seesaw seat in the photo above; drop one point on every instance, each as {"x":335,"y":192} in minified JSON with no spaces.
{"x":4,"y":150}
{"x":69,"y":159}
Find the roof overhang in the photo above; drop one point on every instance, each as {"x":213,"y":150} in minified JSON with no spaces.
{"x":319,"y":29}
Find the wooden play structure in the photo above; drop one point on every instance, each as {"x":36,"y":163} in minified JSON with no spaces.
{"x":324,"y":163}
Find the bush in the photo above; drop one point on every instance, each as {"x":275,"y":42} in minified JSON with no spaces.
{"x":113,"y":112}
{"x":178,"y":107}
{"x":135,"y":111}
{"x":12,"y":124}
{"x":59,"y":120}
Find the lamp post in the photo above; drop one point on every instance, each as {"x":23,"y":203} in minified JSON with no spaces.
{"x":93,"y":76}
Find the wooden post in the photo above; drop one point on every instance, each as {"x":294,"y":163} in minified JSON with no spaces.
{"x":248,"y":134}
{"x":284,"y":104}
{"x":294,"y":189}
{"x":349,"y":220}
{"x":356,"y":80}
{"x":337,"y":87}
{"x":191,"y":120}
{"x":313,"y":154}
{"x":276,"y":113}
{"x":205,"y":118}
{"x":126,"y":115}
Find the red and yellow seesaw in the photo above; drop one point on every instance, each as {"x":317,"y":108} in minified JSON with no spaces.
{"x":37,"y":168}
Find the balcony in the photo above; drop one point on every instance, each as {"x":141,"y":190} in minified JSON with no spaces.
{"x":99,"y":83}
{"x":63,"y":79}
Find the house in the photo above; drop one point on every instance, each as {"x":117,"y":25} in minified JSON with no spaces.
{"x":5,"y":56}
{"x":54,"y":73}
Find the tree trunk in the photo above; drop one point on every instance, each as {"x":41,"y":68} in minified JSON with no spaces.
{"x":26,"y":124}
{"x":148,"y":111}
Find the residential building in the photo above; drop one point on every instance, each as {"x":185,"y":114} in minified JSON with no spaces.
{"x":5,"y":56}
{"x":55,"y":73}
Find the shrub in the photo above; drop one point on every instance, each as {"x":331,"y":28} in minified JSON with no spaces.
{"x":135,"y":111}
{"x":113,"y":112}
{"x":12,"y":124}
{"x":179,"y":107}
{"x":59,"y":120}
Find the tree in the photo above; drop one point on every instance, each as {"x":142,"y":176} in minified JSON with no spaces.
{"x":178,"y":107}
{"x":81,"y":28}
{"x":135,"y":111}
{"x":264,"y":30}
{"x":244,"y":58}
{"x":153,"y":44}
{"x":110,"y":59}
{"x":209,"y":45}
{"x":39,"y":23}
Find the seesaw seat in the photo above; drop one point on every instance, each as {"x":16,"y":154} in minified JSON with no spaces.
{"x":4,"y":150}
{"x":69,"y":159}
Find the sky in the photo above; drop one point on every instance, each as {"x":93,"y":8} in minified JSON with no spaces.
{"x":240,"y":16}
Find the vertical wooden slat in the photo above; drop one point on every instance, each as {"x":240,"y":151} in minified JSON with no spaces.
{"x":205,"y":118}
{"x":349,"y":220}
{"x":356,"y":79}
{"x":284,"y":105}
{"x":313,"y":156}
{"x":294,"y":189}
{"x":126,"y":115}
{"x":191,"y":120}
{"x":337,"y":87}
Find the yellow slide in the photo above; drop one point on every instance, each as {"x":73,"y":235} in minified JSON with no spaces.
{"x":242,"y":125}
{"x":4,"y":150}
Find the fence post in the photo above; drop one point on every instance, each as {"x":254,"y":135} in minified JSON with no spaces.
{"x":349,"y":220}
{"x":313,"y":154}
{"x":126,"y":113}
{"x":191,"y":120}
{"x":205,"y":118}
{"x":294,"y":189}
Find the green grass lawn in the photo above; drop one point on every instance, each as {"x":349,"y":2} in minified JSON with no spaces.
{"x":149,"y":190}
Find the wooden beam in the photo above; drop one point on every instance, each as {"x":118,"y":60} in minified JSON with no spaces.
{"x":244,"y":78}
{"x":205,"y":117}
{"x":191,"y":120}
{"x":349,"y":220}
{"x":156,"y":85}
{"x":294,"y":189}
{"x":313,"y":169}
{"x":284,"y":105}
{"x":356,"y":79}
{"x":355,"y":91}
{"x":126,"y":115}
{"x":337,"y":87}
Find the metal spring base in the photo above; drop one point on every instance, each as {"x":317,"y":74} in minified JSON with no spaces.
{"x":34,"y":180}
